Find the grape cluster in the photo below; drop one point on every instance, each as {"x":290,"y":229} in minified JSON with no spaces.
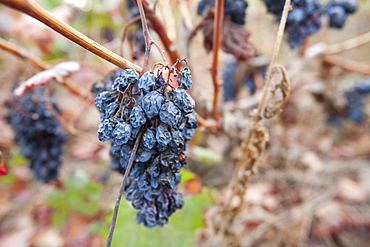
{"x":135,"y":34}
{"x":234,"y":9}
{"x":229,"y":85}
{"x":37,"y":131}
{"x":337,"y":11}
{"x":305,"y":17}
{"x":354,"y":109}
{"x":303,"y":20}
{"x":162,"y":119}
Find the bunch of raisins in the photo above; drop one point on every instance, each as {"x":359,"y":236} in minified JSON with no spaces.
{"x":37,"y":131}
{"x":163,"y":119}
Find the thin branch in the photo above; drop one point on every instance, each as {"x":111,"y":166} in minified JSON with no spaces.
{"x":31,"y":8}
{"x":149,"y":41}
{"x":253,"y":146}
{"x":42,"y":65}
{"x":160,"y":30}
{"x":207,"y":123}
{"x":125,"y":176}
{"x":349,"y":44}
{"x":23,"y":53}
{"x":275,"y":54}
{"x":347,"y":64}
{"x":217,"y":36}
{"x":80,"y":110}
{"x":39,"y":63}
{"x":87,"y":137}
{"x":124,"y":32}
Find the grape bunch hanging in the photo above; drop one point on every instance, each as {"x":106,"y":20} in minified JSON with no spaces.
{"x":305,"y":17}
{"x":355,"y":100}
{"x":233,"y":9}
{"x":154,"y":117}
{"x":37,"y":131}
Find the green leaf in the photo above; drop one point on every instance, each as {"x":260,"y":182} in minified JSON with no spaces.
{"x":186,"y":175}
{"x":7,"y":179}
{"x":208,"y":156}
{"x":57,"y":199}
{"x":79,"y":195}
{"x":77,"y":182}
{"x":59,"y":218}
{"x":96,"y":228}
{"x":17,"y":159}
{"x":178,"y":232}
{"x":93,"y":191}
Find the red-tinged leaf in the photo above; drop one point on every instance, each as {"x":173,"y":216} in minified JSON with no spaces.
{"x":330,"y":218}
{"x":348,"y":190}
{"x":193,"y":186}
{"x":59,"y":72}
{"x":3,"y":170}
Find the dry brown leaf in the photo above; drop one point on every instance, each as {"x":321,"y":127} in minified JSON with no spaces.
{"x":312,"y":161}
{"x":278,"y":95}
{"x":234,"y":38}
{"x":262,"y":194}
{"x":348,"y":190}
{"x":59,"y":72}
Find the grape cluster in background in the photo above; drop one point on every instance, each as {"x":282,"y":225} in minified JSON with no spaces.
{"x":337,"y":11}
{"x":37,"y":131}
{"x":135,"y":33}
{"x":355,"y":97}
{"x":233,"y":9}
{"x":161,"y":117}
{"x":231,"y":87}
{"x":305,"y":18}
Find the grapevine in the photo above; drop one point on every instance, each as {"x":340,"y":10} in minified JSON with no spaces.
{"x":165,"y":118}
{"x":224,"y":161}
{"x":37,"y":132}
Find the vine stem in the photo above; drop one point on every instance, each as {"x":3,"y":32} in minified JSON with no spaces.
{"x":125,"y":31}
{"x":275,"y":54}
{"x":347,"y":64}
{"x":217,"y":36}
{"x":42,"y":65}
{"x":230,"y":213}
{"x":122,"y":188}
{"x":33,"y":9}
{"x":149,"y":41}
{"x":24,"y":54}
{"x":158,"y":27}
{"x":349,"y":44}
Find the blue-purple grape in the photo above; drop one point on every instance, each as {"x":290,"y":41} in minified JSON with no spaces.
{"x":164,"y":118}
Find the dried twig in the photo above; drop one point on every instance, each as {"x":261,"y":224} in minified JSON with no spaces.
{"x":23,"y":53}
{"x":255,"y":143}
{"x":31,"y":8}
{"x":347,"y":64}
{"x":160,"y":30}
{"x":76,"y":132}
{"x":149,"y":41}
{"x":122,"y":188}
{"x":348,"y":44}
{"x":125,"y":31}
{"x":217,"y":27}
{"x":207,"y":123}
{"x":42,"y":65}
